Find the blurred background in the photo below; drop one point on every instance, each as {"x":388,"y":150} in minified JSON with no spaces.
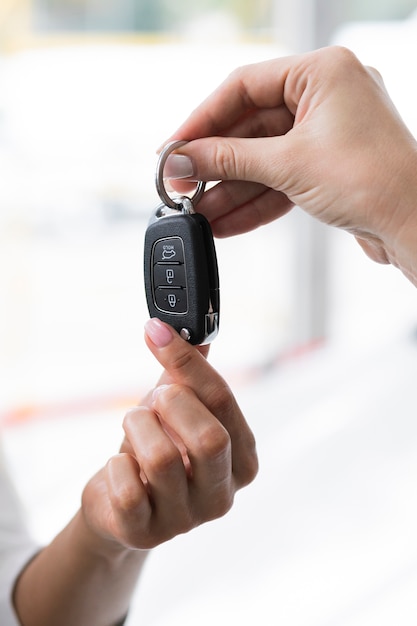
{"x":321,"y":352}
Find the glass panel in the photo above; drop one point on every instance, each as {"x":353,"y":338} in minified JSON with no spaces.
{"x":144,"y":16}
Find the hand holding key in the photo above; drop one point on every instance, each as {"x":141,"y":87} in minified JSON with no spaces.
{"x":187,"y":450}
{"x":317,"y":130}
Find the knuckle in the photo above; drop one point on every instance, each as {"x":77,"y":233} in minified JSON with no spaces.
{"x":346,"y":64}
{"x":375,"y":74}
{"x":131,"y":418}
{"x":160,"y":458}
{"x":216,"y":506}
{"x":172,"y":394}
{"x":186,"y":521}
{"x":225,"y":160}
{"x":343,"y":54}
{"x":214,"y":442}
{"x":339,"y":55}
{"x":218,"y":441}
{"x":224,"y":503}
{"x":239,"y":78}
{"x":236,"y":74}
{"x":181,"y":360}
{"x":250,"y":469}
{"x":221,"y":400}
{"x":125,"y":499}
{"x":163,"y":531}
{"x":144,"y":539}
{"x":337,"y":61}
{"x":127,"y":421}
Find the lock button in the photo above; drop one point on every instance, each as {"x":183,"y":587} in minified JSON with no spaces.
{"x":171,"y":300}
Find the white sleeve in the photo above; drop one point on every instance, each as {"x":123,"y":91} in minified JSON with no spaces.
{"x":16,"y":545}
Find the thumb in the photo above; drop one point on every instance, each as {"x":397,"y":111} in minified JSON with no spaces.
{"x":262,"y":160}
{"x":166,"y":377}
{"x":183,"y":363}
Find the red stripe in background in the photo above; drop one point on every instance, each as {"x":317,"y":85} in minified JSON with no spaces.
{"x":124,"y":400}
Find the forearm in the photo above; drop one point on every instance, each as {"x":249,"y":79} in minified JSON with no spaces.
{"x":73,"y":581}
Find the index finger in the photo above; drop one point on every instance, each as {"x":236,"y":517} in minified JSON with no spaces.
{"x":256,"y":86}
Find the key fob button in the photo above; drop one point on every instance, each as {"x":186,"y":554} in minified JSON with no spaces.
{"x":171,"y":300}
{"x":167,"y":250}
{"x":169,"y":275}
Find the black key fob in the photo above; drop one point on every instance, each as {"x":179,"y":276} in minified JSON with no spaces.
{"x":181,"y":273}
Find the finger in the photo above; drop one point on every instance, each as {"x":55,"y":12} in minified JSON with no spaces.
{"x":374,"y":248}
{"x":271,"y":84}
{"x":209,"y":449}
{"x":233,"y":207}
{"x":255,"y":204}
{"x":257,"y":86}
{"x":183,"y":187}
{"x":258,"y":123}
{"x":226,"y":196}
{"x":185,"y":365}
{"x":262,"y":123}
{"x":131,"y":510}
{"x":161,"y":463}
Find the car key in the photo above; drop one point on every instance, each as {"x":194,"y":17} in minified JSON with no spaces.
{"x":180,"y":264}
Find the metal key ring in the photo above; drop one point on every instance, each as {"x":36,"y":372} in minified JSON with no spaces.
{"x":159,"y":178}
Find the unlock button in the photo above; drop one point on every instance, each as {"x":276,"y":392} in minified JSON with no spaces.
{"x":166,"y":275}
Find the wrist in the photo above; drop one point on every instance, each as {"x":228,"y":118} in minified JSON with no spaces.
{"x":62,"y":583}
{"x":99,"y":546}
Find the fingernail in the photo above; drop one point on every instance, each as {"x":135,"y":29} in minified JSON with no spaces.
{"x":178,"y":166}
{"x":160,"y":334}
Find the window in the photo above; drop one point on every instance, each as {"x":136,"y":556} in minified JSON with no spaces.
{"x":143,"y":15}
